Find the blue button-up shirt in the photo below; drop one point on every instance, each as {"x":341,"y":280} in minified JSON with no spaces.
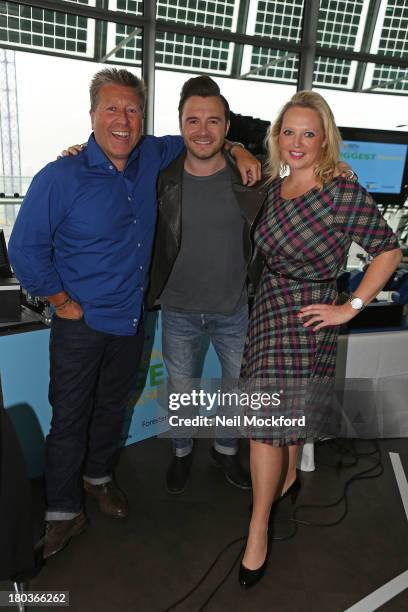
{"x":87,"y":229}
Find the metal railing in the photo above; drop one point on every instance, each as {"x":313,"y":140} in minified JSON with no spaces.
{"x":11,"y":186}
{"x":9,"y":208}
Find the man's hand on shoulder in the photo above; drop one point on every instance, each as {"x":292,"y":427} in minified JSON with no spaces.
{"x":249,"y":166}
{"x":345,"y":171}
{"x":72,"y":150}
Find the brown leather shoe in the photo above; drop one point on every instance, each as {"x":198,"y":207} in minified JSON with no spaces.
{"x":111,"y":499}
{"x":59,"y":533}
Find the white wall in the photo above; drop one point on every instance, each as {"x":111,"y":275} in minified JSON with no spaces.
{"x":378,"y":111}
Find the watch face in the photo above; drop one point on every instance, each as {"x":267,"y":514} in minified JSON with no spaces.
{"x":357,"y":303}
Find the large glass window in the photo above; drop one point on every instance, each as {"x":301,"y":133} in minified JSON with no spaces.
{"x":65,"y":34}
{"x":134,"y":7}
{"x":220,"y":14}
{"x":27,"y":26}
{"x":340,"y":26}
{"x":279,"y":20}
{"x":390,"y":38}
{"x":125,"y":42}
{"x":193,"y":53}
{"x":334,"y":72}
{"x":270,"y":64}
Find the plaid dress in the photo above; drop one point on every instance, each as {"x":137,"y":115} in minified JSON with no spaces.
{"x":307,"y":237}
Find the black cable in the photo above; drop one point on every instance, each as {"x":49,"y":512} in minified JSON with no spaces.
{"x":223,"y":581}
{"x":364,"y":475}
{"x":206,"y":573}
{"x":342,"y":449}
{"x":359,"y":476}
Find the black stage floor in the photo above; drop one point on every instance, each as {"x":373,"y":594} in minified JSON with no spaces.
{"x":151,"y":559}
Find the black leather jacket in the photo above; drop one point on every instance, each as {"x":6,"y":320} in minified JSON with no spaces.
{"x":168,"y":229}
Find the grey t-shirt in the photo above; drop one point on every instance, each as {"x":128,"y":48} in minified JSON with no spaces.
{"x":209,"y":273}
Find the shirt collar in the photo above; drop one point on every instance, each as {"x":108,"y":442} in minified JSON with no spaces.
{"x":96,"y":157}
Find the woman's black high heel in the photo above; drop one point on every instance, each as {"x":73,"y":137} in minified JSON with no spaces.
{"x":292,"y":492}
{"x":248,"y":578}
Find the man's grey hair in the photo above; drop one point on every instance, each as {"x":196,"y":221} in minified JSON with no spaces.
{"x":117,"y":77}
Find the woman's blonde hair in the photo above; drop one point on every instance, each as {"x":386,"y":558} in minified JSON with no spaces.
{"x":330,"y":152}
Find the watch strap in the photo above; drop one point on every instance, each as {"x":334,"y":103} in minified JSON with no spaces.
{"x":355,"y":297}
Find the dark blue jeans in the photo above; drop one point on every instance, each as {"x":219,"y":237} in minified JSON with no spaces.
{"x":183,"y":334}
{"x":91,"y":376}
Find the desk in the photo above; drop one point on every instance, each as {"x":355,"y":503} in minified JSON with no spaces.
{"x":374,"y":354}
{"x":375,"y":368}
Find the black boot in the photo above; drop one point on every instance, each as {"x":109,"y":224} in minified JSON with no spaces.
{"x":233,"y":470}
{"x":178,"y":474}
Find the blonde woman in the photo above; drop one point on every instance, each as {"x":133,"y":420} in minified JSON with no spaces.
{"x":309,"y":221}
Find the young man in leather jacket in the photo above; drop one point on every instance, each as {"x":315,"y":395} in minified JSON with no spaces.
{"x":202,"y":260}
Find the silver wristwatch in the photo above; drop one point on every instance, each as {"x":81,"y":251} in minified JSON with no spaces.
{"x":356,"y":302}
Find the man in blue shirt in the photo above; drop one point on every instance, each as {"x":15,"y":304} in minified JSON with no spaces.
{"x":83,"y":238}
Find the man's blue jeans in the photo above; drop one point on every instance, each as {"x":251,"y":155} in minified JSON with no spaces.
{"x":92,"y":374}
{"x":183,"y":335}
